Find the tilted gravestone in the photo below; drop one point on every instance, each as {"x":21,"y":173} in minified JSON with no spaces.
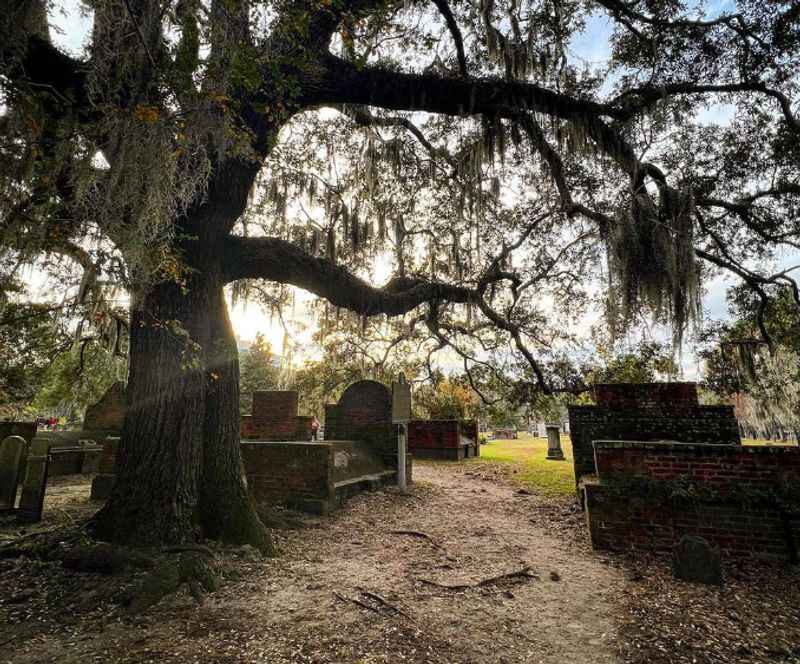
{"x":13,"y":451}
{"x":694,"y":559}
{"x":31,"y":501}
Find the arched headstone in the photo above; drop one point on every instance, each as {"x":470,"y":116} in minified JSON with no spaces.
{"x":364,"y":412}
{"x":13,"y":452}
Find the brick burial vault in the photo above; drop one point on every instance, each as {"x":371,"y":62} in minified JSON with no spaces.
{"x":652,"y":465}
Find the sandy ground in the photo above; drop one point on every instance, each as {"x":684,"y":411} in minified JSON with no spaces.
{"x":350,"y":588}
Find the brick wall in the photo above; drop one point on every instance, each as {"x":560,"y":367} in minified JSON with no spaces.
{"x":364,"y":412}
{"x":443,"y":439}
{"x":275,"y":418}
{"x":298,"y":470}
{"x":654,"y":411}
{"x":109,"y":412}
{"x":646,"y":395}
{"x":622,"y":515}
{"x":433,"y":434}
{"x":720,"y":466}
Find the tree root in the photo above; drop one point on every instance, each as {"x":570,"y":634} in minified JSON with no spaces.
{"x":43,"y":544}
{"x":105,"y":559}
{"x":168,"y":577}
{"x":278,"y":519}
{"x":380,"y":603}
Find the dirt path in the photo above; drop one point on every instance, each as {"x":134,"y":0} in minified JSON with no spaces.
{"x":303,"y":606}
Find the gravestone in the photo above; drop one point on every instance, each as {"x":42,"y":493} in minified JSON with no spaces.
{"x":31,"y":501}
{"x":364,"y":412}
{"x":554,"y":451}
{"x":13,"y":451}
{"x":694,"y":559}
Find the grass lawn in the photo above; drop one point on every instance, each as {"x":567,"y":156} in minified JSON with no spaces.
{"x":761,"y":441}
{"x":528,"y":453}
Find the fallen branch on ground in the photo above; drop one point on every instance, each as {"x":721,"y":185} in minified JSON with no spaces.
{"x":383,"y":602}
{"x":524,"y":573}
{"x":358,"y":602}
{"x":418,"y":534}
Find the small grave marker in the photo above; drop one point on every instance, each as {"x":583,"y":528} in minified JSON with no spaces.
{"x":694,"y":559}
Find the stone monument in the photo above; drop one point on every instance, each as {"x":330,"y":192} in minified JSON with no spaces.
{"x":554,"y":451}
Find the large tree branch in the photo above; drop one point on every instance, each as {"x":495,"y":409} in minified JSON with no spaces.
{"x":648,"y":95}
{"x":40,"y":66}
{"x":344,"y":83}
{"x":620,"y":11}
{"x":281,"y":261}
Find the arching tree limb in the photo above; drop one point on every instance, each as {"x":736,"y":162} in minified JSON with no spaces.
{"x":283,"y":262}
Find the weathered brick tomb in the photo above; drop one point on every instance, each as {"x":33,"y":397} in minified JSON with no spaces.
{"x":653,"y":465}
{"x":359,"y":451}
{"x":274,"y":417}
{"x":443,"y":439}
{"x":652,"y":411}
{"x":282,"y":464}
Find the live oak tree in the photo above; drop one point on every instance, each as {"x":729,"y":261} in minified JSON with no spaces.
{"x":500,"y":175}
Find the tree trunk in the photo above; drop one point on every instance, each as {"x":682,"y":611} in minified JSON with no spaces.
{"x":179,"y":470}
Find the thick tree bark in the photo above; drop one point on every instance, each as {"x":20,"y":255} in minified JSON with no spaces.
{"x":179,"y":471}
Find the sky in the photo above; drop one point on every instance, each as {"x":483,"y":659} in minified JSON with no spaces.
{"x":71,"y":27}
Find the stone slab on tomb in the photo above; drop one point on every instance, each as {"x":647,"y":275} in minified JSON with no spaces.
{"x":13,"y":453}
{"x":31,"y":500}
{"x":314,"y":477}
{"x":75,"y":452}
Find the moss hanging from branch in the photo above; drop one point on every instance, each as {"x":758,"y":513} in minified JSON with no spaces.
{"x":770,"y":399}
{"x":651,"y":262}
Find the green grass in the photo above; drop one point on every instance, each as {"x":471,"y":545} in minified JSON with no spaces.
{"x":761,"y":441}
{"x":527,"y":453}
